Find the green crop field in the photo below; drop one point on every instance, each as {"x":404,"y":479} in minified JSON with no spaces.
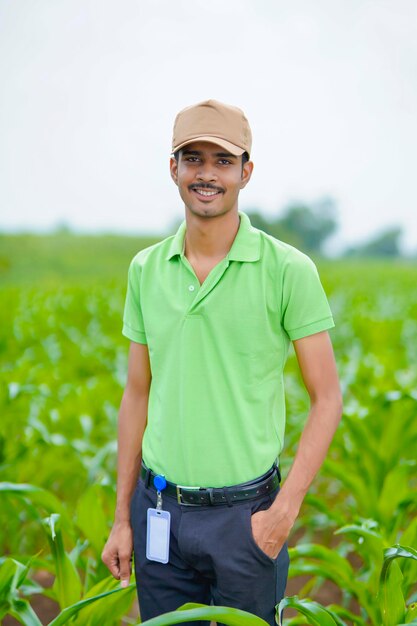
{"x":63,"y":369}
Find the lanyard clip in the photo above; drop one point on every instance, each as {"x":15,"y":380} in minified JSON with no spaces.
{"x":160,"y":483}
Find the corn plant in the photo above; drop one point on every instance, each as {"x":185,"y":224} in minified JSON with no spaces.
{"x":77,"y":595}
{"x":380,"y":588}
{"x":374,"y":464}
{"x":94,"y":609}
{"x":12,"y":578}
{"x":62,"y":371}
{"x":103,"y":600}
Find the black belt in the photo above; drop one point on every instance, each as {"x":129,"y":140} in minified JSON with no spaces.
{"x":202,"y":496}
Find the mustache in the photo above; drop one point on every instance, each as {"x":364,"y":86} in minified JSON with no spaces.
{"x":207,"y":186}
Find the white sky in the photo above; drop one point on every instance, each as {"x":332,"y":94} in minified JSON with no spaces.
{"x":90,"y":89}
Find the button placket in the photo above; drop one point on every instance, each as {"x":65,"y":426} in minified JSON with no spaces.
{"x":210,"y":282}
{"x":191,"y":275}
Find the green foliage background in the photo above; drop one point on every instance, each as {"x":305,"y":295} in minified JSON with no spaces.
{"x":63,"y":368}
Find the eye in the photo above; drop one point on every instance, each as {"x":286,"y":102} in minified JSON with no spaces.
{"x":192,"y":159}
{"x":224,"y":161}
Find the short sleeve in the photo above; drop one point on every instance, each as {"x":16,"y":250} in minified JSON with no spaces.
{"x":133,"y":326}
{"x":305,"y":308}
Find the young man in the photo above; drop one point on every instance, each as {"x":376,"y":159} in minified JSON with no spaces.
{"x":210,"y":313}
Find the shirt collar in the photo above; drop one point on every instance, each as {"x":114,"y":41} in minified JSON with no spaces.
{"x":246,"y":245}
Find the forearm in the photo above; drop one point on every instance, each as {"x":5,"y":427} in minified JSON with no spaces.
{"x":322,"y":422}
{"x":131,"y":426}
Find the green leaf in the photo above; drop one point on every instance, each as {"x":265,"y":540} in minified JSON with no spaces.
{"x":67,"y":584}
{"x":331,"y":512}
{"x":409,"y":568}
{"x":338,"y":564}
{"x":12,"y":578}
{"x":222,"y":614}
{"x":409,"y":536}
{"x":364,"y":495}
{"x":391,"y":599}
{"x":367,"y":464}
{"x":299,"y":620}
{"x":342,"y":612}
{"x":92,"y":519}
{"x":371,"y":539}
{"x":12,"y":574}
{"x":370,"y":545}
{"x":317,"y":614}
{"x":116,"y":605}
{"x":37,"y":497}
{"x":74,"y":609}
{"x":23,"y":613}
{"x":396,"y":488}
{"x":356,"y":587}
{"x":395,"y":552}
{"x":304,"y":568}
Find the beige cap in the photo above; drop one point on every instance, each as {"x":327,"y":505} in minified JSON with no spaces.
{"x":213,"y":121}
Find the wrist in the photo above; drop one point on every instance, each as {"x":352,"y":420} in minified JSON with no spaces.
{"x":286,"y":505}
{"x":121,"y":518}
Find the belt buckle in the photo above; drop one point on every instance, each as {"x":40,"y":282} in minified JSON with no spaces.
{"x":180,"y":496}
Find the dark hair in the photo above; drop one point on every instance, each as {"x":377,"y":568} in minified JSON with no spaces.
{"x":245,"y":157}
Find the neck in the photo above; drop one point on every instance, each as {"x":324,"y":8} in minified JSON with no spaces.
{"x":210,"y":237}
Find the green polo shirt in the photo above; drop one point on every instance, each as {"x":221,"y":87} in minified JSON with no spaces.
{"x":216,"y":412}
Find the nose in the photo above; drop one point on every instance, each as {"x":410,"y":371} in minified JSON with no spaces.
{"x":206,"y":173}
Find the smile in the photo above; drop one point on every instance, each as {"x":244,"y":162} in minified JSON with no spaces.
{"x":205,"y":193}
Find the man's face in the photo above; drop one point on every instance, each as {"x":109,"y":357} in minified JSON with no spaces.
{"x":209,"y":178}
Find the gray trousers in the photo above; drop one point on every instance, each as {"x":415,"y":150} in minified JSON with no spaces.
{"x":213,"y":558}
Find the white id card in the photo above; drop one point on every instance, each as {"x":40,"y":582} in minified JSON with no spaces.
{"x":157,"y":535}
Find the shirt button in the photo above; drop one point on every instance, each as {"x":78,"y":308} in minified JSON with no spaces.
{"x":191,"y":288}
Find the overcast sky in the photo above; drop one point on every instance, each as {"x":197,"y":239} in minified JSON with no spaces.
{"x":90,"y":89}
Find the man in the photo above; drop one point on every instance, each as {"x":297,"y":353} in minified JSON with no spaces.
{"x":210,"y":313}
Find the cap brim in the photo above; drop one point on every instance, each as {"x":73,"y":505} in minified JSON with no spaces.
{"x":226,"y":145}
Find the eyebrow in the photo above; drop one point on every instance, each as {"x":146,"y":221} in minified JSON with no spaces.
{"x":227,"y":155}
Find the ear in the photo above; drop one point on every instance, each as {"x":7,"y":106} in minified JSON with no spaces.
{"x":173,"y":168}
{"x":246,"y":173}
